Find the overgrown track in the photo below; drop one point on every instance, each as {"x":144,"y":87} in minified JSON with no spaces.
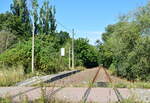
{"x":119,"y":97}
{"x":87,"y":92}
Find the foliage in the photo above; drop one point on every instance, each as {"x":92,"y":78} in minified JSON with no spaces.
{"x":18,"y":21}
{"x":126,"y":47}
{"x":14,"y":25}
{"x":47,"y":55}
{"x":7,"y":39}
{"x":20,"y":10}
{"x":47,"y":19}
{"x":86,"y":54}
{"x":130,"y":100}
{"x":10,"y":76}
{"x":35,"y":15}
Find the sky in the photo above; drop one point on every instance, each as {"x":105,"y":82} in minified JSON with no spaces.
{"x":87,"y":17}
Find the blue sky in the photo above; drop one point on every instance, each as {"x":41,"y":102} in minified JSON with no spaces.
{"x":88,"y":17}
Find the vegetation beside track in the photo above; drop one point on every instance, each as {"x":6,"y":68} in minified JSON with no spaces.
{"x":124,"y":49}
{"x":11,"y":76}
{"x":54,"y":100}
{"x":51,"y":99}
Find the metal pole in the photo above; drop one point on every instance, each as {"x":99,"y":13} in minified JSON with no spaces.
{"x":69,"y":58}
{"x":33,"y":47}
{"x":73,"y":49}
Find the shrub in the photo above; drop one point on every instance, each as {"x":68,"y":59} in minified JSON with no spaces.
{"x":47,"y":55}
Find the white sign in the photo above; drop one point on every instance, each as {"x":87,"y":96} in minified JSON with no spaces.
{"x":62,"y":51}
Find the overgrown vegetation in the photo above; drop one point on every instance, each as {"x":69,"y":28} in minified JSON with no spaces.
{"x":16,"y":40}
{"x":124,"y":50}
{"x":126,"y":45}
{"x":55,"y":100}
{"x":10,"y":76}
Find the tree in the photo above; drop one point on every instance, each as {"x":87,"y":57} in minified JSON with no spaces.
{"x":85,"y":54}
{"x":63,"y":37}
{"x":7,"y":39}
{"x":35,"y":15}
{"x":19,"y":9}
{"x":14,"y":25}
{"x":125,"y":47}
{"x":47,"y":19}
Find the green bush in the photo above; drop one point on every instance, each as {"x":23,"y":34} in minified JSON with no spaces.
{"x":47,"y":55}
{"x":85,"y":53}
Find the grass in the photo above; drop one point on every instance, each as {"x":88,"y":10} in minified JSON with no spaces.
{"x":127,"y":84}
{"x":10,"y":76}
{"x":143,"y":85}
{"x":130,"y":100}
{"x":55,"y":100}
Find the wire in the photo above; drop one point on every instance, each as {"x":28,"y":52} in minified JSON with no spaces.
{"x":62,"y":25}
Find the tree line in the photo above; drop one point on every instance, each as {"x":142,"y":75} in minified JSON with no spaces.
{"x":16,"y":34}
{"x":125,"y":48}
{"x":126,"y":45}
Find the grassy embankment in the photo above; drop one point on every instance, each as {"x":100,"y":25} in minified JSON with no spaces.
{"x":10,"y":76}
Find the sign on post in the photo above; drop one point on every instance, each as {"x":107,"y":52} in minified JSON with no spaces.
{"x":62,"y":51}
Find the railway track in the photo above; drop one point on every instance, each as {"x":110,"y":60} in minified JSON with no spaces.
{"x":87,"y":92}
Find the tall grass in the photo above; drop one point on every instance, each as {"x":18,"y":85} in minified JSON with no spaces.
{"x":130,"y":100}
{"x":143,"y":85}
{"x":54,"y":100}
{"x":10,"y":76}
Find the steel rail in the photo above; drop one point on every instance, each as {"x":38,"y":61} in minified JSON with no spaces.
{"x":87,"y":92}
{"x":119,"y":97}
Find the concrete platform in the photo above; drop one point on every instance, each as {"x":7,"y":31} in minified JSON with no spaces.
{"x":100,"y":95}
{"x":47,"y":78}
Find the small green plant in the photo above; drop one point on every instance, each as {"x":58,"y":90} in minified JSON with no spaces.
{"x":118,"y":85}
{"x":80,"y":68}
{"x":90,"y":84}
{"x":145,"y":85}
{"x":130,"y":100}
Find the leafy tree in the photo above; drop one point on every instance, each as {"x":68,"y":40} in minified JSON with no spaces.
{"x":85,"y":53}
{"x":13,"y":24}
{"x":63,"y":37}
{"x":47,"y":19}
{"x":19,"y":9}
{"x":109,"y":30}
{"x":35,"y":15}
{"x":47,"y":56}
{"x":125,"y":47}
{"x":6,"y":40}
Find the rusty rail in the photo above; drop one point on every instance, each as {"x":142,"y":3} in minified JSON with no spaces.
{"x":119,"y":97}
{"x":96,"y":75}
{"x":87,"y":92}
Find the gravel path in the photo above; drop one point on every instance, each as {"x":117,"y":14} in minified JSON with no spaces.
{"x":79,"y":79}
{"x":83,"y":78}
